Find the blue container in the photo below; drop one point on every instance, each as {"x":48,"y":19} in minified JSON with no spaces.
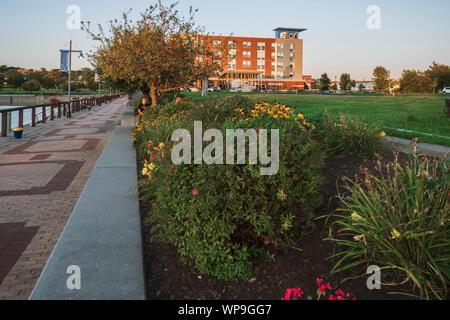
{"x":18,"y":133}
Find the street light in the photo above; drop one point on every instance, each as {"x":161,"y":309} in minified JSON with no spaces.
{"x":70,"y":65}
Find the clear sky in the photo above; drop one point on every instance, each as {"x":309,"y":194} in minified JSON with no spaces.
{"x":413,"y":33}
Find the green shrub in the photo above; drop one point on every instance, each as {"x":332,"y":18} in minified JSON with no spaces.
{"x":237,"y":213}
{"x":346,"y":135}
{"x":400,"y":222}
{"x":31,"y":85}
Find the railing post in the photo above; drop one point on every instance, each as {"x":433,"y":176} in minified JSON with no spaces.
{"x":52,"y":113}
{"x":21,"y":118}
{"x":69,"y":112}
{"x":43,"y":114}
{"x":33,"y":117}
{"x":59,"y":110}
{"x":4,"y":124}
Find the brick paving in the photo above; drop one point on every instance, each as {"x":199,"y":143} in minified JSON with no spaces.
{"x":41,"y":179}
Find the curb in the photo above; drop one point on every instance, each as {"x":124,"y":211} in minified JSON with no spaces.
{"x":432,"y":150}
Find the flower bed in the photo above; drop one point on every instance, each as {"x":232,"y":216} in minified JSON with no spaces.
{"x":232,"y":227}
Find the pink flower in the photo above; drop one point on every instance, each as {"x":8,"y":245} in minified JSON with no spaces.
{"x":195,"y":191}
{"x":340,"y":292}
{"x":294,"y":292}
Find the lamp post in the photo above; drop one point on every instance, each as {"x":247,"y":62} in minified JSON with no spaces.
{"x":70,"y":66}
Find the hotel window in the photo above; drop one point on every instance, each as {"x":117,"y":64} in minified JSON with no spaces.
{"x":246,"y":54}
{"x":261,"y":54}
{"x":292,"y":46}
{"x":280,"y":55}
{"x":273,"y":55}
{"x":232,"y":53}
{"x":232,"y":44}
{"x":247,"y":44}
{"x":273,"y":45}
{"x":261,"y":46}
{"x":261,"y":65}
{"x":246,"y":63}
{"x":232,"y":64}
{"x":280,"y":46}
{"x":217,"y":43}
{"x":273,"y":65}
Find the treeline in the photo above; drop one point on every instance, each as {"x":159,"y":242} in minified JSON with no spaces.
{"x":432,"y":80}
{"x":35,"y":80}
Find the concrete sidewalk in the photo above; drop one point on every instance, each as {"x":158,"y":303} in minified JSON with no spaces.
{"x":102,"y":237}
{"x":42,"y":178}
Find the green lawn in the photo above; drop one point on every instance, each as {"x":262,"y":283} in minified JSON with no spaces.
{"x":421,"y":113}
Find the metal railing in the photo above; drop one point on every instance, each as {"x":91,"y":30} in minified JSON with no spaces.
{"x":55,"y":110}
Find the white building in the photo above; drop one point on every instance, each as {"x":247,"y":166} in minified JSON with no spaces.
{"x":369,"y":85}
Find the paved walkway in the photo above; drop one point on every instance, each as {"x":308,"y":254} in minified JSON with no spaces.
{"x":41,"y":180}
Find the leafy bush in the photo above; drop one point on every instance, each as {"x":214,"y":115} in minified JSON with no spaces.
{"x":31,"y":85}
{"x":346,"y":135}
{"x":219,"y":217}
{"x":399,"y":221}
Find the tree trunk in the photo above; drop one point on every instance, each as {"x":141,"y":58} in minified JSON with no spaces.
{"x":204,"y":87}
{"x":153,"y":95}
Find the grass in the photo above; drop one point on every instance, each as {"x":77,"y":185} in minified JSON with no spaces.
{"x":420,"y":113}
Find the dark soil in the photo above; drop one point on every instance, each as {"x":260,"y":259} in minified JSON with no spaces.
{"x":300,"y":266}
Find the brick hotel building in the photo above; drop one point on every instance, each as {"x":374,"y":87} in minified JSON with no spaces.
{"x":263,"y":63}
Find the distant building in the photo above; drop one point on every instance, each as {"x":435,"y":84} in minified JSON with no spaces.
{"x":368,"y":85}
{"x":264,"y":63}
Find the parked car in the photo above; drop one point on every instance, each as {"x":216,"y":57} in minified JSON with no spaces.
{"x":446,"y":90}
{"x":235,"y":89}
{"x":211,"y":89}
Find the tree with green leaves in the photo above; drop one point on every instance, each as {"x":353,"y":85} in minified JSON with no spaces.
{"x":361,"y":87}
{"x":325,"y":82}
{"x":381,"y":79}
{"x":31,"y":85}
{"x":413,"y":81}
{"x":160,"y":52}
{"x":440,"y":75}
{"x":14,"y":79}
{"x":345,"y":82}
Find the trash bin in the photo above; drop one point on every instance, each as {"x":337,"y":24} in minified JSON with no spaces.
{"x":18,"y":133}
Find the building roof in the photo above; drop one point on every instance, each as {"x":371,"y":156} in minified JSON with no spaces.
{"x":282,"y":29}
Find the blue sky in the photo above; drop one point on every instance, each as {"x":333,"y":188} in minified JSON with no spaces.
{"x":413,"y":33}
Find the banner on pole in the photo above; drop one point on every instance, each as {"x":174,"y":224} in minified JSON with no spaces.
{"x":96,"y":78}
{"x":64,"y":66}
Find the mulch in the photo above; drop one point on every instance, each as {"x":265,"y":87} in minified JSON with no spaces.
{"x":300,"y":266}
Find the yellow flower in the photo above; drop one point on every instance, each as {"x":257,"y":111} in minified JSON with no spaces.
{"x":359,"y":237}
{"x":144,"y":171}
{"x":395,"y":234}
{"x":161,"y":145}
{"x":382,"y":133}
{"x":300,"y":116}
{"x":151,"y":166}
{"x":356,"y":216}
